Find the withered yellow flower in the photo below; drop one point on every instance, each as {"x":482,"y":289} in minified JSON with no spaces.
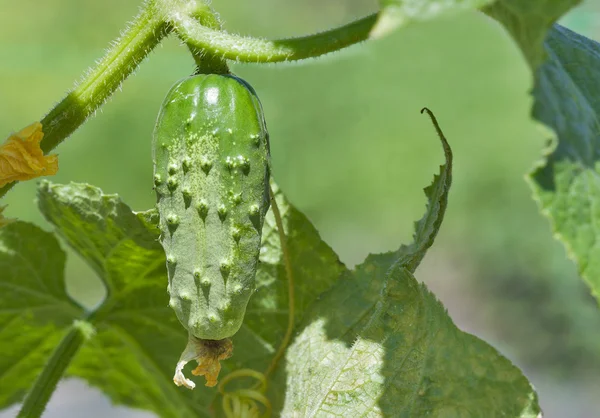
{"x":21,"y":157}
{"x":208,"y":354}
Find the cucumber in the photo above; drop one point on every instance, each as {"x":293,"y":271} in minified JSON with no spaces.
{"x":211,"y":176}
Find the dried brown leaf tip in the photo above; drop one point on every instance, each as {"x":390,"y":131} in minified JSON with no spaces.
{"x":208,"y":354}
{"x":21,"y":157}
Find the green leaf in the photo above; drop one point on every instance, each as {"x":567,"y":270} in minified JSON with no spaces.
{"x":138,"y":342}
{"x":95,"y":224}
{"x":138,"y":339}
{"x":528,"y":22}
{"x":380,"y":344}
{"x":35,"y":308}
{"x":427,"y":227}
{"x":567,"y":183}
{"x":397,"y":13}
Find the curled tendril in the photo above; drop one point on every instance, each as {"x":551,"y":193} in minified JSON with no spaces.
{"x":245,"y":403}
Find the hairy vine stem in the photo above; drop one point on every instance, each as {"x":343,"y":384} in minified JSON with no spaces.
{"x":256,"y":50}
{"x":197,"y":25}
{"x":98,"y":84}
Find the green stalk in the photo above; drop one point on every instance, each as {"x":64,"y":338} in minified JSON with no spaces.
{"x":127,"y":52}
{"x":122,"y":59}
{"x":37,"y":399}
{"x":207,"y":63}
{"x":200,"y":29}
{"x":245,"y":49}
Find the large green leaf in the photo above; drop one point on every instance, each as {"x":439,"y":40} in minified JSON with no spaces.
{"x":95,"y":224}
{"x":35,"y":310}
{"x":567,"y":183}
{"x":565,"y":65}
{"x":380,"y":344}
{"x":139,"y":340}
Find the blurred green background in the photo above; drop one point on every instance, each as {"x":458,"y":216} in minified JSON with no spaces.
{"x":351,"y":150}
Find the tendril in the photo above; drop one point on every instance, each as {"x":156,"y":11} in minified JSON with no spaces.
{"x":244,"y":403}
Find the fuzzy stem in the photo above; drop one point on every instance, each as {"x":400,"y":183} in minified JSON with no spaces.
{"x":146,"y":31}
{"x":37,"y":399}
{"x":122,"y":59}
{"x":207,"y":63}
{"x":245,"y":49}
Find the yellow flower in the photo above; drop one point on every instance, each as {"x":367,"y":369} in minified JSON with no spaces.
{"x":21,"y":157}
{"x":4,"y":221}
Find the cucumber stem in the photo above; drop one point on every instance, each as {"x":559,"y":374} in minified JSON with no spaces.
{"x":39,"y":395}
{"x":246,"y":49}
{"x":98,"y":84}
{"x":207,"y":63}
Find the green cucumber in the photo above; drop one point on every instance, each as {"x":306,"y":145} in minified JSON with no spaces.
{"x":211,"y":176}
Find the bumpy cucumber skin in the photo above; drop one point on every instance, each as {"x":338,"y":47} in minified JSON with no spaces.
{"x":211,"y":176}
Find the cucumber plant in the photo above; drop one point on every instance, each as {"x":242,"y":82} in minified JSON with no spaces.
{"x":318,"y":337}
